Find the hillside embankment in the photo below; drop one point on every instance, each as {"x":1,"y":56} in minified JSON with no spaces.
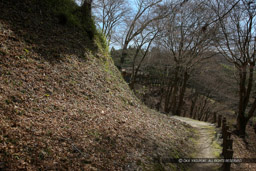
{"x":65,"y":106}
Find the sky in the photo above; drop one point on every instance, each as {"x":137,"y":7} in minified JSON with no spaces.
{"x":132,"y":4}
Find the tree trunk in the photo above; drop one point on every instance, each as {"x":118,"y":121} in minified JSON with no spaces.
{"x":161,"y":98}
{"x":244,"y":95}
{"x":132,"y":80}
{"x":241,"y":125}
{"x":123,"y":55}
{"x":193,"y":103}
{"x":195,"y":113}
{"x":173,"y":95}
{"x":242,"y":91}
{"x":173,"y":104}
{"x":182,"y":93}
{"x":167,"y":100}
{"x":131,"y":84}
{"x":168,"y":97}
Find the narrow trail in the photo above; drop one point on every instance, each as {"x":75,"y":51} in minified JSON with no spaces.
{"x":208,"y":145}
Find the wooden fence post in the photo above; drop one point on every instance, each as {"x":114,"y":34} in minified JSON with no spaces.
{"x":228,"y":134}
{"x":214,"y":117}
{"x":224,"y":136}
{"x":219,"y":121}
{"x":224,"y":121}
{"x":229,"y":143}
{"x":229,"y":156}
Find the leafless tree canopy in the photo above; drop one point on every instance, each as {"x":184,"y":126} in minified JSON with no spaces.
{"x":182,"y":35}
{"x":109,"y":14}
{"x":238,"y":46}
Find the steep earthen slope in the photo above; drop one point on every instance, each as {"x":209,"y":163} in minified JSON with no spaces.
{"x":64,"y":106}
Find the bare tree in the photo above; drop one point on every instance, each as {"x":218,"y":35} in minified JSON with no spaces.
{"x":238,"y":44}
{"x":109,"y":14}
{"x":149,"y":10}
{"x":145,"y":39}
{"x":187,"y":41}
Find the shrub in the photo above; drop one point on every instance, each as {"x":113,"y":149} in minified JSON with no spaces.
{"x":102,"y":41}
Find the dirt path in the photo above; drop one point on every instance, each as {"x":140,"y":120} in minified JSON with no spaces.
{"x":208,"y":145}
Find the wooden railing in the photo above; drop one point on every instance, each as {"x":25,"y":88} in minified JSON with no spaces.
{"x":227,"y":145}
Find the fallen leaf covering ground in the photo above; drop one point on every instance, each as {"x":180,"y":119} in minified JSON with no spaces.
{"x":73,"y":112}
{"x":245,"y":149}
